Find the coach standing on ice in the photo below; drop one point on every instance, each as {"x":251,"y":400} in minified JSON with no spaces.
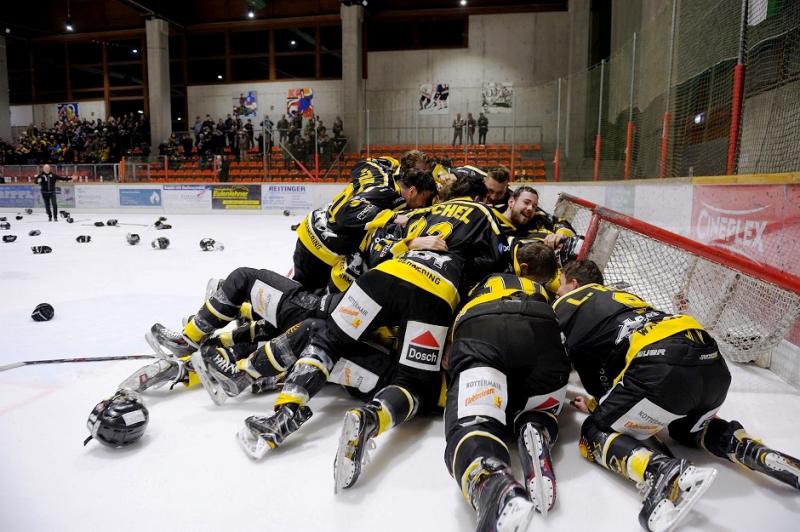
{"x":47,"y":180}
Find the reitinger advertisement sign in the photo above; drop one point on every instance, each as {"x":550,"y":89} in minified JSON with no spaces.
{"x":18,"y":196}
{"x":186,"y":196}
{"x":140,"y":197}
{"x":280,"y":197}
{"x":236,"y":197}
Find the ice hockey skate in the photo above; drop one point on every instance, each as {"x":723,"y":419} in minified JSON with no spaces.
{"x":754,"y":455}
{"x":216,"y":367}
{"x":168,"y":343}
{"x":501,"y":502}
{"x":262,"y":433}
{"x":355,"y":444}
{"x":671,"y":492}
{"x":540,"y":480}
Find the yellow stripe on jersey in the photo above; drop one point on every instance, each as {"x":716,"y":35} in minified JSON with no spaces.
{"x":423,"y":277}
{"x":655,"y":332}
{"x":570,"y":297}
{"x":339,"y":276}
{"x":313,"y":244}
{"x":528,"y":287}
{"x":381,"y":219}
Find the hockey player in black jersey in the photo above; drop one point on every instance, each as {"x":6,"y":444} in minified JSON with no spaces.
{"x":246,"y":292}
{"x":380,"y":188}
{"x":648,"y":370}
{"x":419,"y":291}
{"x":508,"y":375}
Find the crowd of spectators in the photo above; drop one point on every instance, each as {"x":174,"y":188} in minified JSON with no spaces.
{"x":208,"y":138}
{"x":79,"y":141}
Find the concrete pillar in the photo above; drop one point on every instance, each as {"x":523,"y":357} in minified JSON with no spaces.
{"x":352,"y":109}
{"x":157,"y":32}
{"x":5,"y":107}
{"x":578,"y":85}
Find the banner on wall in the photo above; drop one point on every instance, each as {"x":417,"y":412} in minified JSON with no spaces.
{"x":68,"y":112}
{"x":236,"y":197}
{"x":96,"y":196}
{"x":760,"y":222}
{"x":497,"y":97}
{"x":18,"y":196}
{"x":65,"y":197}
{"x":186,"y":196}
{"x":300,"y":102}
{"x":281,"y":197}
{"x":245,"y":105}
{"x":140,"y":197}
{"x":433,"y":99}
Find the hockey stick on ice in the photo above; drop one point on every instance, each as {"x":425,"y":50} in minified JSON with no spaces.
{"x":69,"y":360}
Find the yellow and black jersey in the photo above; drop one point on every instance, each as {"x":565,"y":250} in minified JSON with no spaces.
{"x":375,"y":172}
{"x":370,"y":200}
{"x":605,"y":329}
{"x":474,"y":240}
{"x":500,"y":286}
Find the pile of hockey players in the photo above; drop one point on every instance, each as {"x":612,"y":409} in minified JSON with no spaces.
{"x":420,"y":288}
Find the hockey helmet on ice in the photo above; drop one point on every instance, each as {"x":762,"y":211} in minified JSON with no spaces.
{"x":118,"y":421}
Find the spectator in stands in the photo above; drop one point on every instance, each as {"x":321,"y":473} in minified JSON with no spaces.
{"x":497,"y":184}
{"x":483,"y":129}
{"x":283,"y":129}
{"x":197,"y":128}
{"x":458,"y":130}
{"x":243,"y":144}
{"x":338,"y":127}
{"x":186,"y":142}
{"x":249,"y":128}
{"x":297,"y":121}
{"x":470,"y":129}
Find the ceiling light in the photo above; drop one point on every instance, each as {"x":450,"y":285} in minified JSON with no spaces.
{"x":292,"y":43}
{"x":135,"y":51}
{"x":68,"y":25}
{"x":179,"y":119}
{"x":463,"y":2}
{"x":251,"y":13}
{"x":219,"y":76}
{"x":140,"y":112}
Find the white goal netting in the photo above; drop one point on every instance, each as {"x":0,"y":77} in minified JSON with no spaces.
{"x":748,"y":315}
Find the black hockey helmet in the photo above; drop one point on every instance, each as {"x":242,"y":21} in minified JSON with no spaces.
{"x":160,"y":243}
{"x":207,"y":244}
{"x":132,"y":238}
{"x":118,"y":421}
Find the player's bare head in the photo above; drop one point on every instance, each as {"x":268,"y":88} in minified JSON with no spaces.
{"x":469,"y":182}
{"x":497,"y":183}
{"x":522,"y":205}
{"x":46,"y":168}
{"x":537,"y":262}
{"x":415,"y":159}
{"x":417,"y":187}
{"x":578,"y":273}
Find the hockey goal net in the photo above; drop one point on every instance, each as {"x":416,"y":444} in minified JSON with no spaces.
{"x":748,"y":307}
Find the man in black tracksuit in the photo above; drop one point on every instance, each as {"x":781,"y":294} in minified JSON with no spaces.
{"x":47,"y":180}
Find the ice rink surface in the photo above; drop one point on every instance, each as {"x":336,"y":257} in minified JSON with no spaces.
{"x":188,"y":472}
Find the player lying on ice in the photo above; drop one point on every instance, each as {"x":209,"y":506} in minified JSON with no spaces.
{"x":647,"y":370}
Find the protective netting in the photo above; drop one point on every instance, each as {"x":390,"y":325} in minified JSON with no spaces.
{"x":665,"y":102}
{"x":748,"y":317}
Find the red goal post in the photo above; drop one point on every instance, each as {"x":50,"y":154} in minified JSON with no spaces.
{"x":750,"y":308}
